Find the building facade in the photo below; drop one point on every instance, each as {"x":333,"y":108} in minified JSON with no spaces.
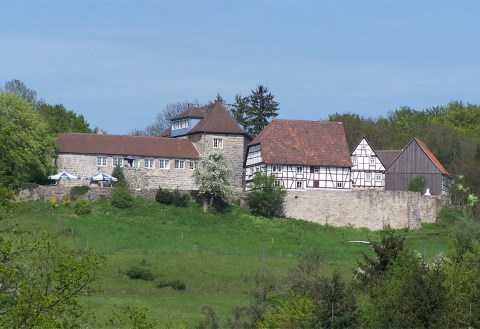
{"x":301,"y":155}
{"x":368,"y":170}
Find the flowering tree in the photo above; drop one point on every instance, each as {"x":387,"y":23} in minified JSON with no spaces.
{"x":211,"y":176}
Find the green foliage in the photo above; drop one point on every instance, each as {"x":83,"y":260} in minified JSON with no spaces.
{"x":42,"y":281}
{"x":295,"y":312}
{"x":82,"y":207}
{"x":178,"y":284}
{"x":266,"y":199}
{"x":120,"y":176}
{"x":132,"y":317}
{"x":211,"y":176}
{"x":462,"y":284}
{"x":61,"y":120}
{"x":255,"y":111}
{"x":175,"y":198}
{"x":411,"y":295}
{"x":26,"y":146}
{"x":19,"y":88}
{"x":372,"y":271}
{"x":417,"y":184}
{"x":78,"y":191}
{"x":122,"y":197}
{"x":138,"y":273}
{"x":464,"y":235}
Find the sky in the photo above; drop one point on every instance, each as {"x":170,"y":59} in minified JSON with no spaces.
{"x":119,"y":63}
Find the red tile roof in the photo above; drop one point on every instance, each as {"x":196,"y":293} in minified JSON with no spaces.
{"x":296,"y":142}
{"x":214,"y":119}
{"x":432,"y":157}
{"x":126,"y":145}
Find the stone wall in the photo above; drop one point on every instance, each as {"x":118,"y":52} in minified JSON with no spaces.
{"x":372,"y":209}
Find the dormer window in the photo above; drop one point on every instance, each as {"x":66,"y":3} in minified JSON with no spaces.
{"x":180,"y":124}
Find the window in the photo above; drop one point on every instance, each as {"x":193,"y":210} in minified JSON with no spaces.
{"x":354,"y":161}
{"x":136,"y":163}
{"x":117,"y":161}
{"x":378,"y":177}
{"x":364,"y":146}
{"x":339,"y":184}
{"x":299,"y":184}
{"x":217,"y":143}
{"x":179,"y":164}
{"x":180,"y":124}
{"x":368,"y":176}
{"x":149,"y":163}
{"x":163,"y":164}
{"x":193,"y":164}
{"x":276,"y":183}
{"x":316,"y":169}
{"x":101,"y":161}
{"x":299,"y":170}
{"x":372,"y":161}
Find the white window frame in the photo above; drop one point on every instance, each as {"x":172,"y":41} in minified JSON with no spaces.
{"x":179,"y":164}
{"x":339,"y":184}
{"x":101,"y":160}
{"x":298,"y":184}
{"x":120,"y":163}
{"x":164,"y":164}
{"x":316,"y":169}
{"x":218,"y":143}
{"x":193,"y":164}
{"x":372,"y":161}
{"x":354,"y":160}
{"x":149,"y":163}
{"x":299,"y":170}
{"x":378,"y":177}
{"x":276,"y":183}
{"x":368,"y":176}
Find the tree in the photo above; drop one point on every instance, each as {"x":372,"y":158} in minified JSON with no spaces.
{"x":27,"y":147}
{"x":266,"y":199}
{"x":256,"y":110}
{"x":162,"y":119}
{"x":41,"y":281}
{"x":18,"y":88}
{"x":295,"y":312}
{"x":59,"y":119}
{"x":120,"y":176}
{"x":211,"y":176}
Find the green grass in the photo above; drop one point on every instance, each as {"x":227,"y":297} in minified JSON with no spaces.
{"x":211,"y":253}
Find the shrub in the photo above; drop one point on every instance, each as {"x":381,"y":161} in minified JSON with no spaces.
{"x":417,"y":184}
{"x":163,"y":284}
{"x":78,"y":191}
{"x":66,"y":200}
{"x":178,"y":285}
{"x":266,"y":199}
{"x":122,"y":197}
{"x":53,"y":202}
{"x":118,"y":174}
{"x":83,"y":207}
{"x":168,"y":197}
{"x":137,"y":273}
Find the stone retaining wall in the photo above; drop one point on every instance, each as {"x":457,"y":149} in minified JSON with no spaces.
{"x":363,"y":208}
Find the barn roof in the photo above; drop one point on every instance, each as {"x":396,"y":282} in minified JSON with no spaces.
{"x":299,"y":142}
{"x":387,"y":156}
{"x":126,"y":145}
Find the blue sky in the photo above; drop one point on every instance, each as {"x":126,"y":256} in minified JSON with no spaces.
{"x":120,"y":62}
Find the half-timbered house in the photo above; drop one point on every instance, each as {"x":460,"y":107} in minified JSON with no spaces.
{"x":367,"y":167}
{"x":301,"y":155}
{"x":417,"y":160}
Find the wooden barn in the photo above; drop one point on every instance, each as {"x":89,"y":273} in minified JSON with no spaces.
{"x":417,"y":160}
{"x":301,"y":154}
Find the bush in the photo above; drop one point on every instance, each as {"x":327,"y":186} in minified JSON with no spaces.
{"x":163,"y":284}
{"x":417,"y":184}
{"x":137,"y":273}
{"x":175,"y":198}
{"x":175,"y":284}
{"x":118,"y":174}
{"x":78,"y":191}
{"x":82,"y":207}
{"x":122,"y":197}
{"x":266,"y":199}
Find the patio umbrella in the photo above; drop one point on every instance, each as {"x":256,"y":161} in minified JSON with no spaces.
{"x":102,"y":177}
{"x":63,"y":176}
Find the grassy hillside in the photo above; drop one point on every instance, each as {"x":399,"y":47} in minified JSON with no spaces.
{"x":211,"y":253}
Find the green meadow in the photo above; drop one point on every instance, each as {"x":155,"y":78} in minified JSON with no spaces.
{"x":214,"y":254}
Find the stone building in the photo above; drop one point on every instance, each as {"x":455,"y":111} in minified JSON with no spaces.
{"x":152,"y":162}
